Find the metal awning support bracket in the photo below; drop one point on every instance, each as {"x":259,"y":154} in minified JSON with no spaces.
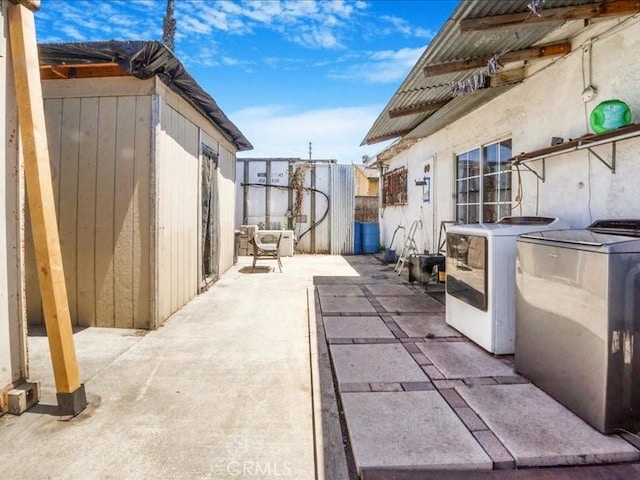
{"x":611,"y":166}
{"x":540,"y":175}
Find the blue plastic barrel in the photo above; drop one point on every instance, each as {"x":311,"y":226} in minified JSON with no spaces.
{"x":370,"y":237}
{"x":357,"y":238}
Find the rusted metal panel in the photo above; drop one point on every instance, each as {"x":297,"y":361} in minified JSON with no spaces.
{"x":366,"y":209}
{"x":394,"y":187}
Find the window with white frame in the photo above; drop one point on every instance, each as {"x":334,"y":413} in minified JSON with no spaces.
{"x":483,"y":183}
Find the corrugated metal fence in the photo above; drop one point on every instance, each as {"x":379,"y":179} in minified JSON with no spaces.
{"x":324,"y":223}
{"x":343,"y":207}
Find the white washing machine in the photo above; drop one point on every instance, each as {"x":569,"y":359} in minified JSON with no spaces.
{"x":481,"y":284}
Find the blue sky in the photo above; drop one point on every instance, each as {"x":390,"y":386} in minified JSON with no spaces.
{"x":285,"y":72}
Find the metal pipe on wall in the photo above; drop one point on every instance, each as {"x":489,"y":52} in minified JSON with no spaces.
{"x":245,"y":195}
{"x":312,"y":219}
{"x":267,"y":197}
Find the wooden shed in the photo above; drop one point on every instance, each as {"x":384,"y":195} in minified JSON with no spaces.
{"x":143,"y":164}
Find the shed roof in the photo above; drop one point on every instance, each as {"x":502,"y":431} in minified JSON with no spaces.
{"x":142,"y":60}
{"x":369,"y":171}
{"x":420,"y":92}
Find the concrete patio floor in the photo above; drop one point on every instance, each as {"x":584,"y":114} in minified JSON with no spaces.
{"x":419,"y":400}
{"x":335,"y":368}
{"x":223,"y":390}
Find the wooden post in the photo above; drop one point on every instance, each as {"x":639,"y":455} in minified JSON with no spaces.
{"x":37,"y":172}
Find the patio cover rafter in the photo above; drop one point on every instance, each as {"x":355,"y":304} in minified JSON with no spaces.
{"x":417,"y":108}
{"x":608,"y":8}
{"x":534,"y":53}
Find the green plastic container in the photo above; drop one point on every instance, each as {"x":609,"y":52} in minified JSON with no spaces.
{"x":609,"y":115}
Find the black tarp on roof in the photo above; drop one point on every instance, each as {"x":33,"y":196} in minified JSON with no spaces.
{"x":145,"y":60}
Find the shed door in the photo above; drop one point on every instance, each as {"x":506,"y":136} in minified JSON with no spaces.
{"x":209,"y":243}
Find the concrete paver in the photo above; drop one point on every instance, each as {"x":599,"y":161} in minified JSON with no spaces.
{"x":538,"y":431}
{"x":340,"y":291}
{"x":337,"y":305}
{"x":390,"y":290}
{"x":425,"y":325}
{"x":463,"y":359}
{"x":417,"y":303}
{"x":356,"y":327}
{"x":375,"y":363}
{"x":410,"y":429}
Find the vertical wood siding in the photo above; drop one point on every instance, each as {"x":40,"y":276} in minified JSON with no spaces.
{"x":177,"y":203}
{"x":100,"y":138}
{"x":100,"y":149}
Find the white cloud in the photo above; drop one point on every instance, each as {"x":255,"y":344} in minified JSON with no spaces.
{"x":263,"y":12}
{"x":317,"y":24}
{"x":394,"y":25}
{"x":145,"y":4}
{"x":284,"y":63}
{"x":73,"y":32}
{"x":386,"y":66}
{"x":123,"y":20}
{"x":335,"y":133}
{"x":310,"y":23}
{"x":339,"y":7}
{"x":192,"y":25}
{"x":295,"y":9}
{"x":316,"y":37}
{"x":91,"y":20}
{"x":208,"y":56}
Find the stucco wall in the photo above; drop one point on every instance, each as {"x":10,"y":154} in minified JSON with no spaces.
{"x":549,"y":104}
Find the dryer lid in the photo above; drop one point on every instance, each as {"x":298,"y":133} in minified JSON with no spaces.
{"x":586,"y":239}
{"x":626,"y":227}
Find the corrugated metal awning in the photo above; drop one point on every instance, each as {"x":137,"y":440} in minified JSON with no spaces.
{"x":419,"y":91}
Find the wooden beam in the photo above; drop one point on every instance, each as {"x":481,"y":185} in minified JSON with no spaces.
{"x":52,"y":73}
{"x":389,"y":136}
{"x":578,"y":12}
{"x":90,"y":70}
{"x":37,"y":173}
{"x":80,"y":65}
{"x":417,"y":108}
{"x":533,"y":53}
{"x":507,"y":77}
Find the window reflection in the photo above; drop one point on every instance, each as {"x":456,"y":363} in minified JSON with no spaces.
{"x":483,"y":197}
{"x":466,"y":269}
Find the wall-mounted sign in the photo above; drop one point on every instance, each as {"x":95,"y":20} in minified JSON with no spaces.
{"x":426,"y":189}
{"x":276,"y":178}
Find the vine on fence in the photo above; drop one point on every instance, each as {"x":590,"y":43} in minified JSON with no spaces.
{"x":296,"y":182}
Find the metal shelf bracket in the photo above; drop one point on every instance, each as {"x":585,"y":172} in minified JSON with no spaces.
{"x":611,"y":166}
{"x":540,"y":175}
